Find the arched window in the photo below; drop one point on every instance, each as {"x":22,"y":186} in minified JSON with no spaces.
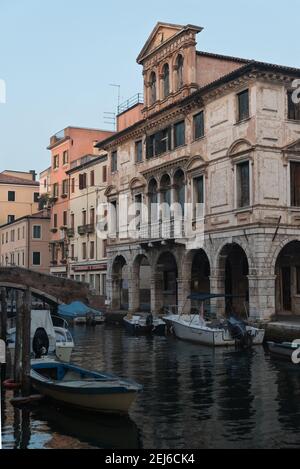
{"x":179,"y":68}
{"x":152,"y":88}
{"x":166,"y":80}
{"x":179,"y":182}
{"x":153,"y":200}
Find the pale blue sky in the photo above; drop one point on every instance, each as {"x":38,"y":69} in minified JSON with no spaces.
{"x":58,"y":57}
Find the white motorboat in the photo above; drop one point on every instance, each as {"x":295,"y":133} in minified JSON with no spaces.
{"x":225,"y":332}
{"x":60,"y":342}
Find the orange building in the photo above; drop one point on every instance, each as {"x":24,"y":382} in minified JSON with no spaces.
{"x":66,"y":148}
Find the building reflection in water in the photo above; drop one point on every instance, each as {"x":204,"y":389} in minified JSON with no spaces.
{"x":193,"y":397}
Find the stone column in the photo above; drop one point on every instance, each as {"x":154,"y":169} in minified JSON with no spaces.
{"x":184,"y":290}
{"x":156,"y":285}
{"x":134,"y":291}
{"x":262,"y":296}
{"x":217,"y":286}
{"x":114,"y":287}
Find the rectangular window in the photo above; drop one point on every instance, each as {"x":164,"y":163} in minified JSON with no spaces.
{"x":65,"y":218}
{"x":243,"y":105}
{"x":104,"y":248}
{"x":12,"y":235}
{"x":72,"y":221}
{"x":179,"y":134}
{"x":36,"y":197}
{"x":65,"y":187}
{"x":199,"y":125}
{"x":139,"y":151}
{"x":243,"y":184}
{"x":72,"y":251}
{"x":92,"y":250}
{"x":55,"y":220}
{"x":92,"y":178}
{"x":18,"y":234}
{"x":293,"y":107}
{"x":10,"y":218}
{"x":82,"y":181}
{"x":158,"y":143}
{"x":65,"y":157}
{"x":295,"y":184}
{"x":114,"y":161}
{"x":73,"y":185}
{"x":36,"y":232}
{"x":92,"y":216}
{"x":104,"y":174}
{"x":11,"y":196}
{"x":84,"y":218}
{"x":55,"y":161}
{"x":55,"y":190}
{"x":36,"y":258}
{"x":84,"y":251}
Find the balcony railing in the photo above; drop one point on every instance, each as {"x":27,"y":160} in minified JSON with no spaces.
{"x":136,"y":99}
{"x":70,"y":232}
{"x":86,"y":229}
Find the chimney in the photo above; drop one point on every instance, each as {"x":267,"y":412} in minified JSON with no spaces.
{"x":33,"y":173}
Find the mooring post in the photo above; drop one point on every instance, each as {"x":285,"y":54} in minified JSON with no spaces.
{"x":3,"y":314}
{"x":18,"y":346}
{"x":26,"y":325}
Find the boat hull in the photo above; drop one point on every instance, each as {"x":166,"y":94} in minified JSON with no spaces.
{"x":116,"y":403}
{"x":283,"y":351}
{"x":210,"y":337}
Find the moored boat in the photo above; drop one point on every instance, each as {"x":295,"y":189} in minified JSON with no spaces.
{"x":79,"y":313}
{"x":285,"y":350}
{"x":78,"y":387}
{"x":144,"y":324}
{"x":224,"y":332}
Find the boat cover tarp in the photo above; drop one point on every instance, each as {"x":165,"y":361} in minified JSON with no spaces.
{"x":76,"y":309}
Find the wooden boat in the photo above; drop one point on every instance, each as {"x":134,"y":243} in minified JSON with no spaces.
{"x":143,"y":325}
{"x":226,"y":332}
{"x":89,"y":390}
{"x":286,"y":350}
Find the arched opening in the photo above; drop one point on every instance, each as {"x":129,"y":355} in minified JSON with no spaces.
{"x":153,"y":200}
{"x":179,"y":71}
{"x":120,"y":293}
{"x":233,"y":263}
{"x":153,"y":94}
{"x":179,"y":186}
{"x":200,"y":278}
{"x":167,"y":285}
{"x":287,"y":272}
{"x":142,"y":274}
{"x":165,"y":188}
{"x":166,"y":80}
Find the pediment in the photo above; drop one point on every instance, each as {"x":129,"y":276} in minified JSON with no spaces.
{"x":196,"y":163}
{"x":111,"y":191}
{"x":137,"y":183}
{"x":241,"y":146}
{"x":160,"y":34}
{"x":293,"y":147}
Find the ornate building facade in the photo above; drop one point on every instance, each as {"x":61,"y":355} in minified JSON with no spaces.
{"x":224,"y":133}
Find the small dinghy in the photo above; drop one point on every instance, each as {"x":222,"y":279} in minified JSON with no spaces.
{"x":89,"y":390}
{"x":286,"y":350}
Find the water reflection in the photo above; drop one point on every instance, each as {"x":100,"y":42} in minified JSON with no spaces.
{"x":194,"y":397}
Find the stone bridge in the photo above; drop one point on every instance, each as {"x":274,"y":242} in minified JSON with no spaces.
{"x":54,"y":289}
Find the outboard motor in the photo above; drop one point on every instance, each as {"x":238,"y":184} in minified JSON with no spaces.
{"x":238,"y":331}
{"x":40,"y":343}
{"x":149,"y":320}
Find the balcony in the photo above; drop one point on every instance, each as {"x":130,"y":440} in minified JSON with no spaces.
{"x":53,"y":230}
{"x":70,"y":232}
{"x":86,"y":229}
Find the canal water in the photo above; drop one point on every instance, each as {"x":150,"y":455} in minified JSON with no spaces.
{"x":194,"y":397}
